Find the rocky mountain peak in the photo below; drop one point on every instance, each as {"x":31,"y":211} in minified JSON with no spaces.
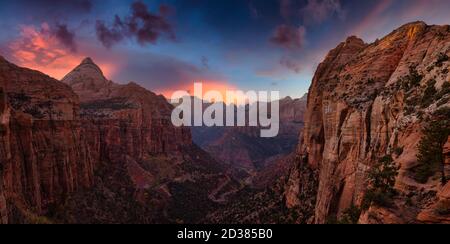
{"x":88,"y":80}
{"x":88,"y":60}
{"x":287,"y":99}
{"x":415,"y":24}
{"x":89,"y":74}
{"x":354,"y":40}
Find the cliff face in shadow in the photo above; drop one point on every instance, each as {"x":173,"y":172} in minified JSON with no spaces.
{"x":43,"y":152}
{"x":98,"y":153}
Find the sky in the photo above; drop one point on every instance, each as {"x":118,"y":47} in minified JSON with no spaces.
{"x":166,"y":45}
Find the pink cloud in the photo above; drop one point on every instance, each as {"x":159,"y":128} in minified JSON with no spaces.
{"x":289,"y":37}
{"x":39,"y":49}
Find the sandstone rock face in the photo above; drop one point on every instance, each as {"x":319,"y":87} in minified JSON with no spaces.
{"x":157,"y":172}
{"x":447,"y":151}
{"x":129,"y":119}
{"x":293,"y":110}
{"x":358,"y":112}
{"x":113,"y":158}
{"x":4,"y":121}
{"x":43,"y":156}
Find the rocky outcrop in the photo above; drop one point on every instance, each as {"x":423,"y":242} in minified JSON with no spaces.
{"x":43,"y":154}
{"x":4,"y":120}
{"x":367,"y":101}
{"x":106,"y":153}
{"x":143,"y":156}
{"x":127,"y":119}
{"x":293,"y":110}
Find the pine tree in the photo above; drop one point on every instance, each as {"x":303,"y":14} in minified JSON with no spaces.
{"x":431,"y":156}
{"x":381,"y":183}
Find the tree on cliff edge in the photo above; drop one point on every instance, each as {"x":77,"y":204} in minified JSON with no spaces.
{"x":381,"y":183}
{"x":431,"y":156}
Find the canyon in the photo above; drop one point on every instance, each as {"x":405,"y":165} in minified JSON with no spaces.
{"x":250,"y":155}
{"x":88,"y":150}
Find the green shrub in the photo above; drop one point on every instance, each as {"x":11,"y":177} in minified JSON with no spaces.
{"x":381,"y":183}
{"x":442,"y":57}
{"x":351,"y":215}
{"x":409,"y":110}
{"x":443,"y":101}
{"x":112,"y":103}
{"x":430,"y":156}
{"x":35,"y":112}
{"x":18,"y":100}
{"x":398,"y":151}
{"x":429,"y":94}
{"x":444,"y":90}
{"x":412,"y":80}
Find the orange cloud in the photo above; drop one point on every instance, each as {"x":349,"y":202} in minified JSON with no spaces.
{"x":37,"y":49}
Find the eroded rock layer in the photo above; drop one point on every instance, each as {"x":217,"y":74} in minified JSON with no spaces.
{"x":359,"y":110}
{"x":87,"y":150}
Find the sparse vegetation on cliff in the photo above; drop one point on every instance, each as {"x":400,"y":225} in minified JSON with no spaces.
{"x":412,"y":80}
{"x":443,"y":92}
{"x":398,"y":151}
{"x":112,"y":103}
{"x":18,"y":100}
{"x":442,"y":57}
{"x":429,"y":94}
{"x":381,"y":183}
{"x":35,"y":112}
{"x":430,"y":156}
{"x":349,"y":217}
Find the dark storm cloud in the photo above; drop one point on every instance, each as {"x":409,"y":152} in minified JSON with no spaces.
{"x":141,"y":24}
{"x":289,"y":37}
{"x":65,"y":36}
{"x":110,"y":36}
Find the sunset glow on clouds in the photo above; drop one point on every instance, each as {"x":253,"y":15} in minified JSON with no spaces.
{"x":207,"y":85}
{"x":167,"y":45}
{"x":36,"y":48}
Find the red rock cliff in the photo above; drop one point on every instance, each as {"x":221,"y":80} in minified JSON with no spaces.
{"x":124,"y":120}
{"x":43,"y":154}
{"x":358,"y":112}
{"x":52,"y":146}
